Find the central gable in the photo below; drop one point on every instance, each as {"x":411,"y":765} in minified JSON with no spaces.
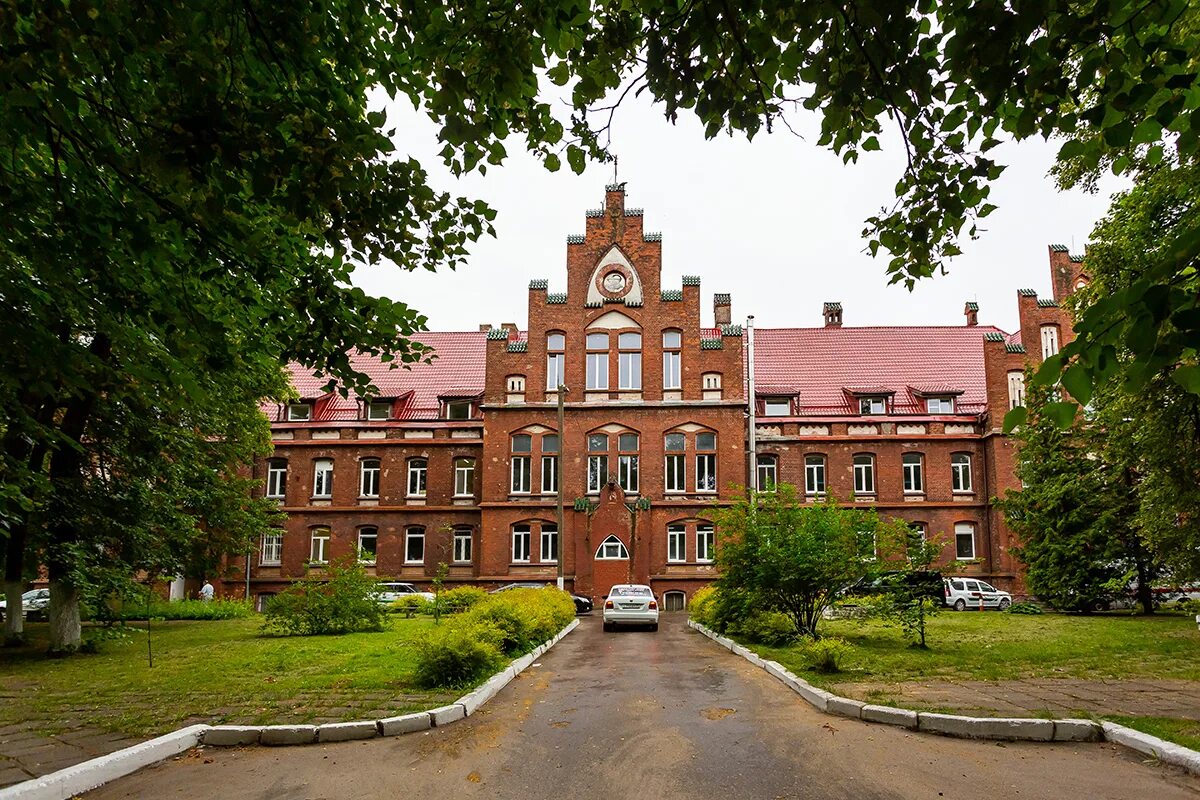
{"x":614,"y":280}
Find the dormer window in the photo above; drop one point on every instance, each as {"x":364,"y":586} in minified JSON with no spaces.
{"x":458,"y":409}
{"x":939,"y":405}
{"x":872,"y":405}
{"x":299,"y":412}
{"x":777,"y":407}
{"x":380,"y":410}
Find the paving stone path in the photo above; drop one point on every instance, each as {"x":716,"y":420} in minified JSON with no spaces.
{"x":1037,"y":697}
{"x":26,"y":753}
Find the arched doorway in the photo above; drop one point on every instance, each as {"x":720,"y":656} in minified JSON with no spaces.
{"x":674,"y":601}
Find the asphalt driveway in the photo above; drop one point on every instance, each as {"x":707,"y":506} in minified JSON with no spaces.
{"x":647,"y":715}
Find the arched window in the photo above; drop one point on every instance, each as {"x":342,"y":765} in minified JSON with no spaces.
{"x":369,"y":477}
{"x":768,"y":473}
{"x":612,"y":549}
{"x":676,"y":462}
{"x":318,"y":552}
{"x":960,"y":472}
{"x":629,"y":361}
{"x":277,"y":478}
{"x":418,"y":469}
{"x":516,"y":384}
{"x":555,"y":348}
{"x":597,"y":475}
{"x":914,"y":478}
{"x":521,"y":470}
{"x":706,"y":462}
{"x":368,"y":544}
{"x":627,"y":462}
{"x":864,"y":474}
{"x":710,"y":383}
{"x":672,"y":359}
{"x":323,"y":478}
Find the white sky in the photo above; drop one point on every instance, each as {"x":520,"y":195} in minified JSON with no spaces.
{"x":777,"y":222}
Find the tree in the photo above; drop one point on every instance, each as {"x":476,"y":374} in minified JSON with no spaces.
{"x":913,"y":579}
{"x":1074,"y":514}
{"x":778,"y":553}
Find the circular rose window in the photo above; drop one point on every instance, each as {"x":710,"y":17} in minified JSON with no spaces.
{"x":614,"y":282}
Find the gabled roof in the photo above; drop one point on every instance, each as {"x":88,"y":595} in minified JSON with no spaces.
{"x":456,"y":372}
{"x":819,"y":364}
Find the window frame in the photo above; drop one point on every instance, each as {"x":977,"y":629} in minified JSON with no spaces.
{"x":374,"y":534}
{"x":621,"y":550}
{"x":767,"y":465}
{"x":459,"y":535}
{"x":321,"y":533}
{"x":455,"y":409}
{"x":520,"y":464}
{"x":960,"y":466}
{"x":413,"y":533}
{"x":374,"y":406}
{"x":522,"y":532}
{"x":706,"y":534}
{"x":555,"y":360}
{"x":962,"y":529}
{"x":1050,"y":344}
{"x":1017,"y":397}
{"x":629,"y":363}
{"x":815,"y":464}
{"x":867,"y":405}
{"x":293,"y":408}
{"x":947,"y":401}
{"x":677,"y":543}
{"x":277,"y":475}
{"x":549,"y":461}
{"x":865,"y":468}
{"x":271,"y":542}
{"x":912,"y":467}
{"x":771,"y":407}
{"x":464,"y":465}
{"x":548,"y":534}
{"x":417,"y":467}
{"x":706,"y":464}
{"x":364,"y":471}
{"x":596,"y":363}
{"x":319,"y":469}
{"x":672,"y":373}
{"x":629,"y":463}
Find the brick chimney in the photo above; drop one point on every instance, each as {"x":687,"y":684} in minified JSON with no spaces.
{"x":722,"y":309}
{"x":833,"y":315}
{"x":972,"y":312}
{"x":484,"y":327}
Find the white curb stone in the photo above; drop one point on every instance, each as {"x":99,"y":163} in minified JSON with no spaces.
{"x":274,"y":735}
{"x":844,"y":706}
{"x":817,"y":698}
{"x":1077,"y":730}
{"x":725,"y":642}
{"x":888,"y":715}
{"x":521,"y":664}
{"x":98,"y":771}
{"x":1037,"y":730}
{"x":347,"y":731}
{"x":447,"y":714}
{"x":409,"y":723}
{"x":1166,"y":752}
{"x":230,"y":735}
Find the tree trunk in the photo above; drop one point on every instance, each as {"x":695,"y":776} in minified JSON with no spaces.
{"x":14,"y":622}
{"x":65,"y":628}
{"x":1145,"y":594}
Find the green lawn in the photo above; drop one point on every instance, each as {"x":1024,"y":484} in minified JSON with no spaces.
{"x":216,"y":672}
{"x":995,"y":646}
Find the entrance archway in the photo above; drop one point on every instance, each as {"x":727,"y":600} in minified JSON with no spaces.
{"x":674,"y":601}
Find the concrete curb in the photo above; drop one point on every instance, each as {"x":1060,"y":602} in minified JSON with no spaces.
{"x":83,"y":777}
{"x":962,"y":727}
{"x":98,"y":771}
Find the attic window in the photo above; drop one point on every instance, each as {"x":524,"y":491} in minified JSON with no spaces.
{"x":379,"y":411}
{"x":939,"y":405}
{"x":458,"y":409}
{"x":299,"y":412}
{"x":872,"y":405}
{"x":777,"y":407}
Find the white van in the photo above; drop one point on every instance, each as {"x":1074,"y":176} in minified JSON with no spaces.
{"x":964,"y":594}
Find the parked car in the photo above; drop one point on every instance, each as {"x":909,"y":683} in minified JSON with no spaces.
{"x":391,"y":592}
{"x":33,"y":604}
{"x":630,"y":604}
{"x":970,"y":593}
{"x":582,"y":604}
{"x":924,"y":583}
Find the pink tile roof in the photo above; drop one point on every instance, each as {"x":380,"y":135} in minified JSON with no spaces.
{"x":823,"y":365}
{"x":457,"y":371}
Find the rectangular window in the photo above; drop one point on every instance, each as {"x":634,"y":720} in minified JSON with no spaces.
{"x":521,"y":474}
{"x":597,"y":361}
{"x":417,"y":469}
{"x":276,"y":478}
{"x":597,"y":473}
{"x":549,"y":544}
{"x":462,"y":546}
{"x":1049,"y":340}
{"x":964,"y":541}
{"x":379,"y":411}
{"x":458,"y":409}
{"x":319,"y":550}
{"x":323,"y":478}
{"x":554,"y":372}
{"x":872,"y":405}
{"x":864,"y":474}
{"x":814,"y":476}
{"x":414,"y":546}
{"x":676,"y":473}
{"x":960,"y":472}
{"x":299,"y":412}
{"x":520,"y":544}
{"x":368,"y":545}
{"x":913,"y":479}
{"x":369,"y":483}
{"x":271,"y":552}
{"x":549,"y":474}
{"x":676,"y":544}
{"x":464,"y":477}
{"x":704,"y":543}
{"x":1016,"y":389}
{"x":671,"y":369}
{"x":777,"y":407}
{"x":768,"y":473}
{"x":706,"y":472}
{"x":939,"y":405}
{"x":629,"y":371}
{"x":627,"y":473}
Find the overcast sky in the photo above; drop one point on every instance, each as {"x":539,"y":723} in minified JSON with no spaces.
{"x":776,"y":222}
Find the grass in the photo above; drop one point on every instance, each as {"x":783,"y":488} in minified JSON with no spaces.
{"x":994,"y":646}
{"x":1181,"y":731}
{"x":221,"y":671}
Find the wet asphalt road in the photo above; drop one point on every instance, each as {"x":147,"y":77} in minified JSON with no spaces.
{"x":647,"y":715}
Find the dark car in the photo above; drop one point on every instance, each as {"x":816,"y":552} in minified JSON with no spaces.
{"x":582,"y":604}
{"x":918,"y":584}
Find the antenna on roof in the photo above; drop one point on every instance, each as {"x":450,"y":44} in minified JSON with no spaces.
{"x":617,"y":158}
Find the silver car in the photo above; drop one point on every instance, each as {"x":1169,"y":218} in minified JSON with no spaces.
{"x":34,"y":603}
{"x":630,"y":604}
{"x":391,"y":592}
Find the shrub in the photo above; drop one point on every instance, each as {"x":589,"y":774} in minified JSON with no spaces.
{"x":190,"y":609}
{"x":524,"y":617}
{"x":771,"y":628}
{"x":1025,"y":608}
{"x":342,"y":600}
{"x":702,"y":605}
{"x":408,"y":602}
{"x":826,"y":655}
{"x":458,"y":654}
{"x":461,"y":598}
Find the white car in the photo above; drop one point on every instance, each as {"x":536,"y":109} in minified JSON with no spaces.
{"x":391,"y":592}
{"x":630,"y":604}
{"x":33,"y":603}
{"x":963,"y":594}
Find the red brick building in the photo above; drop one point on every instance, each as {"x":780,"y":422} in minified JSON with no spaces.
{"x":457,"y":461}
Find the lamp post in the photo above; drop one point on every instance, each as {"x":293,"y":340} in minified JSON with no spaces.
{"x":558,"y":485}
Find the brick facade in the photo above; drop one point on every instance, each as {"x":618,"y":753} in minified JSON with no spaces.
{"x":693,"y":398}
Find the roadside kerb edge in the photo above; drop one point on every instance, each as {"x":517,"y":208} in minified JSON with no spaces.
{"x":88,"y":775}
{"x":963,"y":727}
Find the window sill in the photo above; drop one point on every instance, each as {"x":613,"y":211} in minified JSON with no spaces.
{"x":367,"y":563}
{"x":270,"y":563}
{"x":414,"y":563}
{"x":321,"y":497}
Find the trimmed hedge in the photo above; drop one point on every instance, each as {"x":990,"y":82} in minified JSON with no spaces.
{"x":472,"y":645}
